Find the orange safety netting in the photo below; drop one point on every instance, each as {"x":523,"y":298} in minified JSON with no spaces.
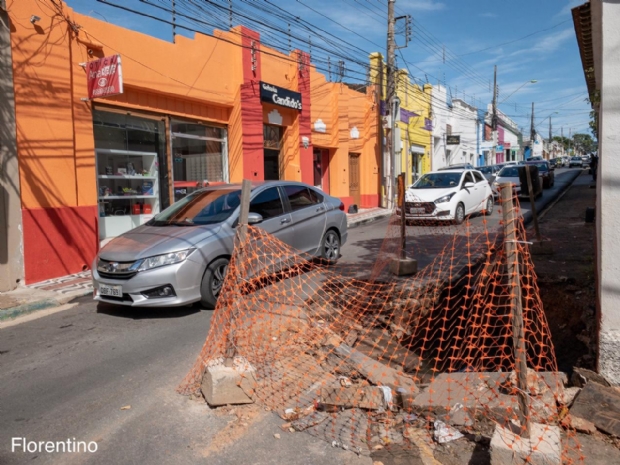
{"x":368,"y":360}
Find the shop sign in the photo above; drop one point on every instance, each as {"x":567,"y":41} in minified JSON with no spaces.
{"x":105,"y":77}
{"x":506,"y":145}
{"x":453,"y":140}
{"x":280,"y":96}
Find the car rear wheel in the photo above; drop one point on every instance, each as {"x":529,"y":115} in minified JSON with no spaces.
{"x":330,"y":247}
{"x":489,"y":207}
{"x":212,"y":282}
{"x":459,"y":213}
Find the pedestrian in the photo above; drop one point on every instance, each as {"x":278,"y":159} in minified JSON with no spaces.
{"x":594,"y":165}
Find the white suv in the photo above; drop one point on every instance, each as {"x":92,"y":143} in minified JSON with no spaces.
{"x":448,"y":195}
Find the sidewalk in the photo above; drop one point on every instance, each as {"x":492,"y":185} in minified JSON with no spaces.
{"x":46,"y":294}
{"x":367,"y":215}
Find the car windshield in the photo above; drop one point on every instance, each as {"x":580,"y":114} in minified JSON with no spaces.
{"x":200,"y":208}
{"x":541,"y":166}
{"x":576,"y":158}
{"x":437,"y":181}
{"x":509,"y":172}
{"x":486,"y":169}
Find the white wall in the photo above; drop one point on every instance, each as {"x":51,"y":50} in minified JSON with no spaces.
{"x":605,"y":20}
{"x":462,"y":118}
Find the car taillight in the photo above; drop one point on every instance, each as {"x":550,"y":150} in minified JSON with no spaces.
{"x":341,"y":206}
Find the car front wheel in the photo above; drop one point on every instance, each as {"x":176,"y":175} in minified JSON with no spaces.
{"x":489,"y":207}
{"x":330,"y":247}
{"x":212,"y":282}
{"x":459,"y":213}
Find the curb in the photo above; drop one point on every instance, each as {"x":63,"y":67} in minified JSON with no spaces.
{"x":528,"y":217}
{"x":31,"y":307}
{"x":371,"y":219}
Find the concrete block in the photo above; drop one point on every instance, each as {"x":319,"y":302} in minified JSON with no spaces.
{"x":543,"y":447}
{"x":403,"y":266}
{"x":222,"y":385}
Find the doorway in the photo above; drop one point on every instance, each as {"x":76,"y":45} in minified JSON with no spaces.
{"x":354,"y":178}
{"x":272,"y":145}
{"x":320,"y":164}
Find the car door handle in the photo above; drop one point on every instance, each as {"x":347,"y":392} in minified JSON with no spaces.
{"x":320,"y":209}
{"x":285,"y":220}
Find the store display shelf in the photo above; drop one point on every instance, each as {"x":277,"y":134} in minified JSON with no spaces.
{"x":116,"y":197}
{"x":125,"y":153}
{"x":118,"y":176}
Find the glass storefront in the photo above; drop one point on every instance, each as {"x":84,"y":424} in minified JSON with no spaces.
{"x":199,"y":156}
{"x":130,"y":155}
{"x":133,"y":168}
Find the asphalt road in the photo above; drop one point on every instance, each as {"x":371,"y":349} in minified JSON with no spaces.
{"x":68,"y":375}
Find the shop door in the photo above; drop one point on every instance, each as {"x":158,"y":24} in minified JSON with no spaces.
{"x":272,"y":140}
{"x":354,"y":177}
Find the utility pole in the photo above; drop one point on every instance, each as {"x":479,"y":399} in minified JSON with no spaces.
{"x":391,"y":93}
{"x":532,"y":132}
{"x":494,"y":117}
{"x":562,"y":134}
{"x":550,"y":130}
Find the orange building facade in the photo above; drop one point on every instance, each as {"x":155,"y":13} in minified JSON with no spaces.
{"x":198,"y":110}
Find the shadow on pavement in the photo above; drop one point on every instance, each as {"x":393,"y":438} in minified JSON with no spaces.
{"x":133,"y":313}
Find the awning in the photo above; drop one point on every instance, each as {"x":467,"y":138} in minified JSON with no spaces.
{"x":583,"y":29}
{"x":419,"y":149}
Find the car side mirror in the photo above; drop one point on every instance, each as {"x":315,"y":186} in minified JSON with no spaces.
{"x":255,"y":218}
{"x":468,"y":185}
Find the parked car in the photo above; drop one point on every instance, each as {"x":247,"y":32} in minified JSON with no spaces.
{"x":489,"y":172}
{"x":448,"y":195}
{"x":181,"y":255}
{"x":586,"y":159}
{"x":511,"y":174}
{"x":575,"y":162}
{"x":545,"y":171}
{"x":461,"y":166}
{"x":553,"y":162}
{"x":536,"y":158}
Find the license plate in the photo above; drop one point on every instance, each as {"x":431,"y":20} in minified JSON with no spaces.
{"x":113,"y":291}
{"x":417,"y":211}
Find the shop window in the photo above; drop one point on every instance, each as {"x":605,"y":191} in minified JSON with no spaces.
{"x":199,"y":155}
{"x":272,"y":136}
{"x":131,"y":165}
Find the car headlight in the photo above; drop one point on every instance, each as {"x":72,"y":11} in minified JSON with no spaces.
{"x":445,"y":198}
{"x":165,"y":259}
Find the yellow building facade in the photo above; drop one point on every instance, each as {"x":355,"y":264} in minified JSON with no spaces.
{"x":414,"y":124}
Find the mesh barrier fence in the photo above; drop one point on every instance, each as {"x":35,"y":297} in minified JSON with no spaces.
{"x":368,"y":360}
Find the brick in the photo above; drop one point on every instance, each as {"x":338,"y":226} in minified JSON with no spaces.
{"x":221,"y":385}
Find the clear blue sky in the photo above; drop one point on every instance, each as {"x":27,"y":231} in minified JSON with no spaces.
{"x":476,"y":34}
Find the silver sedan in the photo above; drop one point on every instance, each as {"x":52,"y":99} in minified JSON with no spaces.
{"x":181,"y":256}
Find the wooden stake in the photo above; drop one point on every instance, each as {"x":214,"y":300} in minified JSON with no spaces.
{"x":518,"y":337}
{"x":532,"y":202}
{"x":242,"y":232}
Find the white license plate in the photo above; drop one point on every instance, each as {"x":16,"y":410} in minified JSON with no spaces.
{"x":113,"y":291}
{"x":417,"y":211}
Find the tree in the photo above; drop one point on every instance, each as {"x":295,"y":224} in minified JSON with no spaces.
{"x":565,"y":141}
{"x":584,"y":143}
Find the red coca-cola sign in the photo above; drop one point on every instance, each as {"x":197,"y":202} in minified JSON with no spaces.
{"x":105,"y":77}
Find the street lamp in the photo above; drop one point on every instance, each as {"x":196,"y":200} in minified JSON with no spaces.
{"x":533,"y":81}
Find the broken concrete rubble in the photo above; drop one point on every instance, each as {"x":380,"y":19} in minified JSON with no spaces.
{"x":366,"y":397}
{"x":543,"y":447}
{"x":599,"y":405}
{"x":377,"y":373}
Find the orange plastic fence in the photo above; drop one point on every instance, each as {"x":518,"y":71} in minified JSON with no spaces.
{"x":368,"y":360}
